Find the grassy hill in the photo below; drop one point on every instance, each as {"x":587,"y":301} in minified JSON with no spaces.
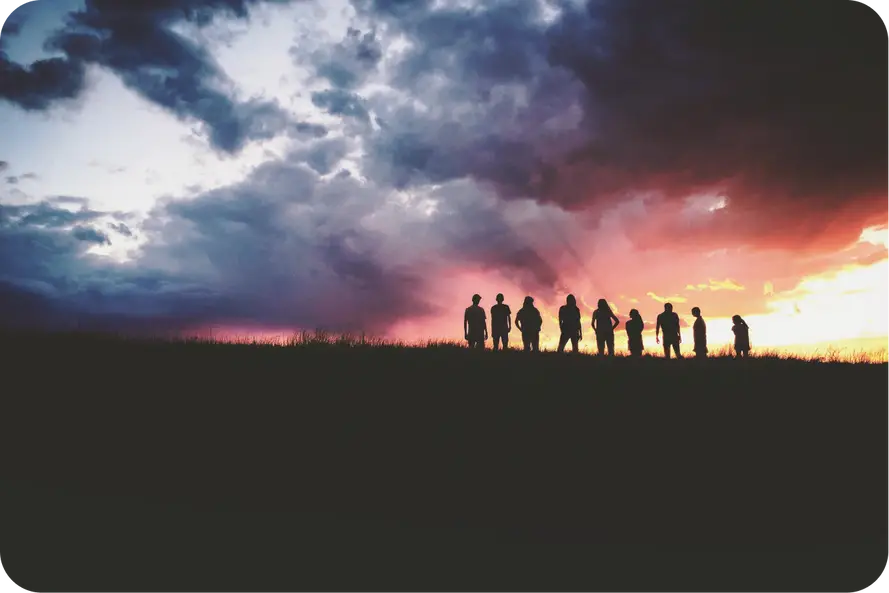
{"x":340,"y":465}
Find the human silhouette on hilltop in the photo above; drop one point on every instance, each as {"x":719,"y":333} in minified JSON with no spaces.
{"x":529,"y":322}
{"x":602,"y":318}
{"x":634,"y":326}
{"x":501,"y":323}
{"x":569,"y":324}
{"x":668,"y":321}
{"x":475,"y":326}
{"x":700,"y":333}
{"x":742,"y":337}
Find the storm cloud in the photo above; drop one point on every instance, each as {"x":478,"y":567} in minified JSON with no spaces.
{"x":510,"y":139}
{"x":346,"y":64}
{"x":135,"y":41}
{"x":49,"y":279}
{"x":298,"y":250}
{"x":773,"y":106}
{"x":286,"y":247}
{"x":36,"y":86}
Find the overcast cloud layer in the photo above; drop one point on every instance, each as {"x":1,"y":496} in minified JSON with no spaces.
{"x":551,"y":146}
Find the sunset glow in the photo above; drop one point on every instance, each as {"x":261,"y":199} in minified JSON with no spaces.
{"x":259,"y":168}
{"x":841,"y":311}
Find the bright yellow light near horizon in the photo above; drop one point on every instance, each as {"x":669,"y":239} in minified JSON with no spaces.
{"x":844,"y":305}
{"x":844,"y":309}
{"x":667,"y":299}
{"x":716,"y":285}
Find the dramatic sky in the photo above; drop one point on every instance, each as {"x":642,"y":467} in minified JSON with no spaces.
{"x":255,"y":167}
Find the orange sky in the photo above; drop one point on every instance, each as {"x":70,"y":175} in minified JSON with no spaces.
{"x":790,"y":304}
{"x":352,"y":168}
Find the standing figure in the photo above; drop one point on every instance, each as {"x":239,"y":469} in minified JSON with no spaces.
{"x":501,"y":323}
{"x":742,"y":336}
{"x":634,"y":326}
{"x":700,"y":331}
{"x":529,"y":322}
{"x":602,"y":318}
{"x":569,"y":324}
{"x":475,"y":326}
{"x":669,"y":322}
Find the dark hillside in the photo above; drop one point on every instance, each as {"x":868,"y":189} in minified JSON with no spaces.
{"x":177,"y":466}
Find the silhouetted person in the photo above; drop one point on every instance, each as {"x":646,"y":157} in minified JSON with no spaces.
{"x":501,"y":323}
{"x":529,"y":322}
{"x":569,"y":324}
{"x":700,"y":332}
{"x":668,"y":321}
{"x":634,"y":326}
{"x":474,"y":324}
{"x":742,"y":336}
{"x":602,"y":318}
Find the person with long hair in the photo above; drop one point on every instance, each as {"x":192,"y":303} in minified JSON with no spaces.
{"x":634,"y":326}
{"x":529,"y":322}
{"x":569,"y":324}
{"x":602,"y":318}
{"x":742,"y":336}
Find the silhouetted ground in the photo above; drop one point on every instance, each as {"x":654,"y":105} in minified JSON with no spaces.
{"x":165,"y":466}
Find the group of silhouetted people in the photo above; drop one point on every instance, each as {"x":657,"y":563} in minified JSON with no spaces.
{"x":604,"y":322}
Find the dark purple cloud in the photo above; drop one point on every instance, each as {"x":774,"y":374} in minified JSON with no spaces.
{"x":38,"y":85}
{"x":779,"y":106}
{"x":90,"y":235}
{"x":49,"y":280}
{"x":286,"y":247}
{"x":346,"y":64}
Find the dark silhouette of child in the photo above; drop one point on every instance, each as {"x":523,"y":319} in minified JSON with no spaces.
{"x":569,"y":324}
{"x":668,"y":321}
{"x":501,"y":323}
{"x":602,"y":318}
{"x":634,"y":326}
{"x":475,"y":326}
{"x":700,"y":332}
{"x":529,"y":322}
{"x":742,"y":336}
